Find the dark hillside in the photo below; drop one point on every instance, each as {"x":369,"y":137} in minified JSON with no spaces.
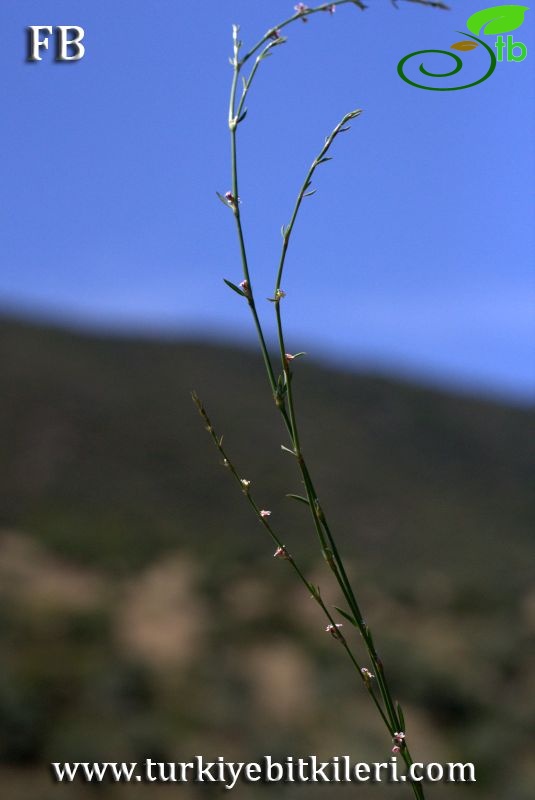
{"x":128,"y":561}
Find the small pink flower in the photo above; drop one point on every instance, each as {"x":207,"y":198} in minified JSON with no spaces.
{"x":331,"y":9}
{"x":231,"y":200}
{"x":289,"y":357}
{"x":265,"y":513}
{"x":244,"y":286}
{"x":399,"y":741}
{"x":301,"y":8}
{"x":334,"y":630}
{"x":281,"y":552}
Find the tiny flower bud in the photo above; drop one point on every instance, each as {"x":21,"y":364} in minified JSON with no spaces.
{"x":245,"y":483}
{"x":366,"y":674}
{"x":334,"y":630}
{"x":265,"y":513}
{"x":399,"y":741}
{"x":289,"y":357}
{"x":301,"y":8}
{"x":279,"y":294}
{"x":281,"y":552}
{"x":244,"y":286}
{"x":274,"y":33}
{"x":331,"y":9}
{"x":231,"y":200}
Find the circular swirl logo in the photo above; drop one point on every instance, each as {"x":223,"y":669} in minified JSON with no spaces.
{"x":457,"y":68}
{"x":494,"y":20}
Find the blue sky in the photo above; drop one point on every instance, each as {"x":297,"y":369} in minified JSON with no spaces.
{"x":415,"y":256}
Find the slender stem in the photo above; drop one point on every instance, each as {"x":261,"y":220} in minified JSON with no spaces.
{"x":299,"y":16}
{"x":248,"y":82}
{"x":314,"y":591}
{"x":282,"y":388}
{"x":321,"y":158}
{"x":327,"y":541}
{"x":326,"y":7}
{"x":233,"y":124}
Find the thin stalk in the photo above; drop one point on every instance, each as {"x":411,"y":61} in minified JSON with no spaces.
{"x":327,"y":542}
{"x":233,"y":124}
{"x":282,"y":388}
{"x":315,"y":593}
{"x":326,"y":7}
{"x":330,"y":553}
{"x":299,"y":16}
{"x":321,"y":158}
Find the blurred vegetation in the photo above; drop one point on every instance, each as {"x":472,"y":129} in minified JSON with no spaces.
{"x":142,"y":613}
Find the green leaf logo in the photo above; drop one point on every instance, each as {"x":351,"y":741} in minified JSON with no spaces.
{"x":498,"y":19}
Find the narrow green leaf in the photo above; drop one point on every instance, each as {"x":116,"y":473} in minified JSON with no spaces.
{"x":287,"y":449}
{"x":234,"y":287}
{"x":400,"y":716}
{"x":347,"y":616}
{"x":309,"y":194}
{"x":223,"y":200}
{"x":298,"y":497}
{"x":368,"y":637}
{"x":242,"y":116}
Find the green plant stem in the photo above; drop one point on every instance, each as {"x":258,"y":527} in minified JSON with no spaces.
{"x":325,"y":8}
{"x":296,"y":17}
{"x":237,"y":216}
{"x":327,"y":542}
{"x":315,"y":593}
{"x":283,"y":392}
{"x":314,"y":590}
{"x":321,"y":158}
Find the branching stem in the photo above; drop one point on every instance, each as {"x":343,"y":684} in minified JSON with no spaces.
{"x":282,"y":387}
